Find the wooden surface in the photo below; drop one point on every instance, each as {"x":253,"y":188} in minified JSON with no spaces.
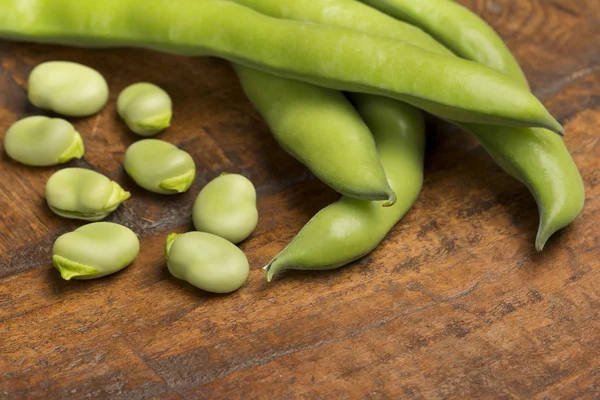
{"x":454,"y":304}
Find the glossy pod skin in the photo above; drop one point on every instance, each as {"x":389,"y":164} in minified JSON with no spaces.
{"x":459,"y":28}
{"x":349,"y":229}
{"x":321,"y":129}
{"x":341,"y":59}
{"x":95,"y":250}
{"x":41,"y":141}
{"x":146,"y":108}
{"x":78,"y":193}
{"x":534,"y":156}
{"x":159,"y":166}
{"x":67,"y":88}
{"x":350,"y":14}
{"x":226,"y":207}
{"x":206,"y":261}
{"x":540,"y":160}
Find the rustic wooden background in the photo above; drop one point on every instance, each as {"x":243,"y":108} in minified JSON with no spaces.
{"x":454,"y":304}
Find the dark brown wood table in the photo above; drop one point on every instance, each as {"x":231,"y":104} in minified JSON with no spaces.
{"x":455,"y":303}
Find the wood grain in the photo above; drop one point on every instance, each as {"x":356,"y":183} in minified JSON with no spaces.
{"x":455,"y":303}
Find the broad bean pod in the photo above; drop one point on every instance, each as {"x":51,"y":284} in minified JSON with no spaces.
{"x":459,"y":28}
{"x":342,"y":59}
{"x":534,"y":156}
{"x":321,"y":129}
{"x":349,"y":229}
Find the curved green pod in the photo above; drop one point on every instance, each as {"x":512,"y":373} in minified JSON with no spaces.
{"x":460,"y":29}
{"x":534,"y":156}
{"x":321,"y":129}
{"x":349,"y":229}
{"x":341,"y":59}
{"x":531,"y":155}
{"x":540,"y":160}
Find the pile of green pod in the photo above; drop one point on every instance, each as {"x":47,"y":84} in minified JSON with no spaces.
{"x":346,"y":98}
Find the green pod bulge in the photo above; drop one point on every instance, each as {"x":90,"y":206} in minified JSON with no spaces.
{"x":525,"y":153}
{"x":350,"y":14}
{"x":534,"y":156}
{"x":460,"y":29}
{"x":226,"y":207}
{"x":341,"y":59}
{"x":206,"y":261}
{"x":349,"y":229}
{"x":160,"y":167}
{"x":146,"y":108}
{"x":95,"y":250}
{"x":84,"y":194}
{"x":67,"y":88}
{"x":321,"y":129}
{"x":41,"y":141}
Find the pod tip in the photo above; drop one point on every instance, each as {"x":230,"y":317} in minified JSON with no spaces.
{"x":391,"y":200}
{"x":555,"y":126}
{"x":270,"y":270}
{"x":542,"y":236}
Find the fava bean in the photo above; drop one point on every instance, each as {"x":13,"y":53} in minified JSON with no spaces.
{"x":145,"y":108}
{"x":95,"y":250}
{"x":67,"y":88}
{"x":206,"y":261}
{"x":226,"y":207}
{"x":84,"y":194}
{"x":160,"y":167}
{"x":41,"y":141}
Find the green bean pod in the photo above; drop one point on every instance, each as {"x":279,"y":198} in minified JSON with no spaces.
{"x":531,"y":155}
{"x":459,"y":28}
{"x":341,"y":59}
{"x":321,"y":129}
{"x":349,"y":229}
